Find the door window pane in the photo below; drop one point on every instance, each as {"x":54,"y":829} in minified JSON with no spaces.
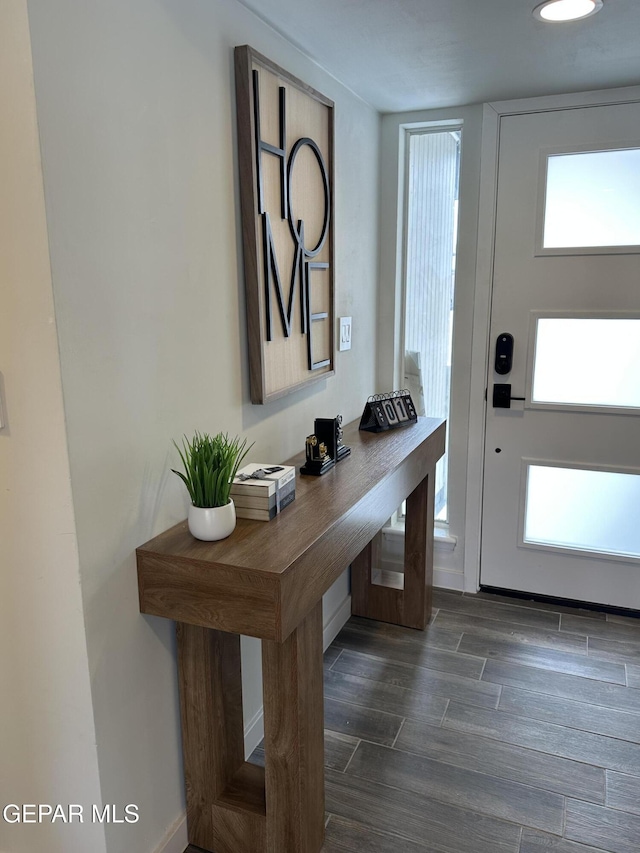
{"x":587,"y":362}
{"x":583,"y":509}
{"x":593,"y":199}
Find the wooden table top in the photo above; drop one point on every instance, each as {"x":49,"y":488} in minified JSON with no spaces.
{"x":267,"y":575}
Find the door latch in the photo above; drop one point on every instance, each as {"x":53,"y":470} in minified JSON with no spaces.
{"x":502,"y":395}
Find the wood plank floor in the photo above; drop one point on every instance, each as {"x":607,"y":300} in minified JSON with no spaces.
{"x":507,"y":726}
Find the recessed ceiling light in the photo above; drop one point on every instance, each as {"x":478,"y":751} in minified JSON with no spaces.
{"x":555,"y":11}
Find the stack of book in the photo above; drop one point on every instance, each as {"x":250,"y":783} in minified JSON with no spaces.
{"x":262,"y":491}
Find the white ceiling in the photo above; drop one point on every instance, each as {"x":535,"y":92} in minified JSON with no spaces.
{"x":415,"y":54}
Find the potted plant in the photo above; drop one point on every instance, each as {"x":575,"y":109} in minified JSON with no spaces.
{"x":210,"y":464}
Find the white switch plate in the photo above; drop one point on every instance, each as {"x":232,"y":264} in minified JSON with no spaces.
{"x":345,"y":333}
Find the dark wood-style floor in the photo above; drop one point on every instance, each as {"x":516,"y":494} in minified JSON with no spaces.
{"x":508,"y":726}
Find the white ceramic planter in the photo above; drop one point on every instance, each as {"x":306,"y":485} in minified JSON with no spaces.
{"x":212,"y":523}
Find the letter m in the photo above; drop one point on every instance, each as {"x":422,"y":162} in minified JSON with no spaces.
{"x":101,"y":817}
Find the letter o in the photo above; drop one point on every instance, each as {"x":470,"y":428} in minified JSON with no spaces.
{"x":305,"y":140}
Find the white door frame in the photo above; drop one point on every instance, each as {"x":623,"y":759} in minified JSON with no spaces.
{"x":492,"y":115}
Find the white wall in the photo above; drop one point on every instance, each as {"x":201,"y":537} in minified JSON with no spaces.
{"x":137,"y":121}
{"x":448,"y":560}
{"x":47,"y":735}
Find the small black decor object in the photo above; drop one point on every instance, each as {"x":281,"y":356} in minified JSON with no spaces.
{"x":387,"y":411}
{"x":329,"y":431}
{"x":324,"y":448}
{"x":318,"y":460}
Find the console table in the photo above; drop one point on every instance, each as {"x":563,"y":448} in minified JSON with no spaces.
{"x":267,"y":580}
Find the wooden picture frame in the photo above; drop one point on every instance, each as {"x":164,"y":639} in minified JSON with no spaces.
{"x":286,"y":163}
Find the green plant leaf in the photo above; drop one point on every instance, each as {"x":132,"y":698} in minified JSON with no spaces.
{"x":210,"y":463}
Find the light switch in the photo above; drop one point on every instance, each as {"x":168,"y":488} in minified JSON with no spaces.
{"x":345,"y":333}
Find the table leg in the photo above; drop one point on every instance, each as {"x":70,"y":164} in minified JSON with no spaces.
{"x":225,"y":795}
{"x":410,"y":606}
{"x":233,"y":806}
{"x":294,"y":738}
{"x":418,"y":554}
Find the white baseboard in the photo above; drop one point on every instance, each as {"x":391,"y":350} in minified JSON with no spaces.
{"x":448,"y":579}
{"x":176,"y":840}
{"x":253,"y":732}
{"x":442,"y":578}
{"x":336,"y":623}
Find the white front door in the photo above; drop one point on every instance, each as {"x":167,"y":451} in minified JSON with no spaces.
{"x":561,"y":502}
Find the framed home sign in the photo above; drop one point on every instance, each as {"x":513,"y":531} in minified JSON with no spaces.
{"x":285,"y":148}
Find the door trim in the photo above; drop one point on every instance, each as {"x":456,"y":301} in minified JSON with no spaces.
{"x":492,"y":116}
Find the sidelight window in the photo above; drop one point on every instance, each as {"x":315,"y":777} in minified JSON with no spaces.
{"x":431,"y":225}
